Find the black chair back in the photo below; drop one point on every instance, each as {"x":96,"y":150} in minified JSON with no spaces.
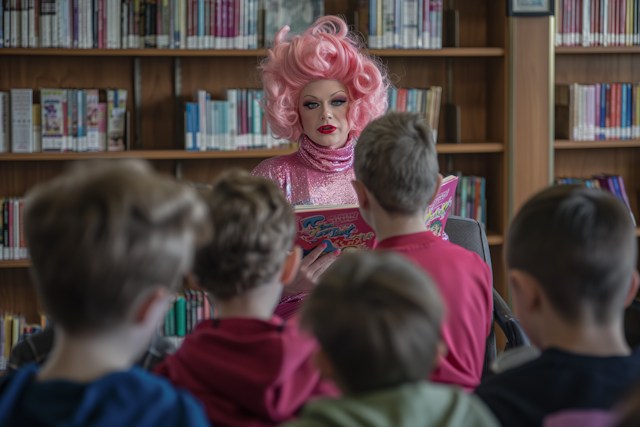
{"x":469,"y":234}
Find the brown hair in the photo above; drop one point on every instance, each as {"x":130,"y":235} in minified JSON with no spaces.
{"x":580,"y":245}
{"x":377,"y":317}
{"x":396,"y":159}
{"x":102,"y":234}
{"x":253,"y":227}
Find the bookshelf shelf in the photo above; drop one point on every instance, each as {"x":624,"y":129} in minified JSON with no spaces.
{"x":23,"y":263}
{"x":443,"y":148}
{"x":446,"y":52}
{"x":619,"y":143}
{"x":596,"y":50}
{"x":494,"y":239}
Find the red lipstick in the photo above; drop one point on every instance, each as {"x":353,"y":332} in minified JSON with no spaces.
{"x":326,"y":129}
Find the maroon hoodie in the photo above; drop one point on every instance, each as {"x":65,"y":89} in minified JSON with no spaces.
{"x":248,"y":372}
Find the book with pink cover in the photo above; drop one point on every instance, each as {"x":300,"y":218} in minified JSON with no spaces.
{"x":341,"y":227}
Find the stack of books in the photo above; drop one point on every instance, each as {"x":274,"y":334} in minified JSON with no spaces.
{"x":471,"y":199}
{"x":14,"y":329}
{"x":13,"y":245}
{"x":597,"y":23}
{"x":162,"y":24}
{"x":611,"y":183}
{"x":237,"y":123}
{"x":401,"y":24}
{"x":421,"y":101}
{"x":184,"y":313}
{"x":596,"y":112}
{"x":66,"y":120}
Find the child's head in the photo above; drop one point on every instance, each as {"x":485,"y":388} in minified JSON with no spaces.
{"x":571,"y":252}
{"x":108,"y":241}
{"x":253,"y":227}
{"x":397,"y":164}
{"x":377,"y":317}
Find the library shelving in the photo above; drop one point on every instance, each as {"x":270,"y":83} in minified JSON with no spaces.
{"x":582,"y":159}
{"x":475,"y":74}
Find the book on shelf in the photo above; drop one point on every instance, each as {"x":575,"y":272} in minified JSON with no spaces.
{"x":471,"y":199}
{"x":597,"y":23}
{"x":611,"y":183}
{"x":184,"y":312}
{"x":421,"y":101}
{"x":601,"y":111}
{"x":237,"y":123}
{"x":66,"y":120}
{"x":400,"y":24}
{"x":149,"y":24}
{"x":13,"y":330}
{"x":341,"y":227}
{"x":13,"y":244}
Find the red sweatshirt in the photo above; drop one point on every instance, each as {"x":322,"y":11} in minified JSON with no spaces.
{"x":464,"y":282}
{"x":247,"y":372}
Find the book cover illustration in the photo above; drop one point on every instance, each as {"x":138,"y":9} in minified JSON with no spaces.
{"x":340,"y":227}
{"x":439,"y":210}
{"x":297,"y":14}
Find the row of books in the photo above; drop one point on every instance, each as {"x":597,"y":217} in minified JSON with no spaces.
{"x":611,"y":183}
{"x":12,"y":240}
{"x":422,"y":101}
{"x":401,"y":24}
{"x":185,"y":312}
{"x":65,"y":120}
{"x":237,"y":123}
{"x":600,"y":111}
{"x":471,"y":200}
{"x":14,"y":329}
{"x":163,"y":24}
{"x":597,"y":22}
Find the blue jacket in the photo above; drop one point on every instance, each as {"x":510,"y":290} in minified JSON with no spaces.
{"x":132,"y":398}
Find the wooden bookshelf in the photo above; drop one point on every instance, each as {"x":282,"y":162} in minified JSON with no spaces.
{"x":480,"y":78}
{"x":561,"y":144}
{"x":445,"y":52}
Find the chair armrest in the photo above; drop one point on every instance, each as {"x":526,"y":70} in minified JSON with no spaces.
{"x":508,"y":323}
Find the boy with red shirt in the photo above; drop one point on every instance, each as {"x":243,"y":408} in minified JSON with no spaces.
{"x":248,"y":366}
{"x":396,"y":167}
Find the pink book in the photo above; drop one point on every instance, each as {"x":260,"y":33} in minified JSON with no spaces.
{"x":11,"y":232}
{"x":439,"y":210}
{"x":597,"y":113}
{"x":340,"y":227}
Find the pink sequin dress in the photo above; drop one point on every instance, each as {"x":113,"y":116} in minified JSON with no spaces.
{"x":313,"y":175}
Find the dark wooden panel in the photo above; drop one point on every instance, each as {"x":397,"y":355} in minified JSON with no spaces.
{"x":587,"y":69}
{"x":158,"y":104}
{"x":531,"y":110}
{"x":17,"y":294}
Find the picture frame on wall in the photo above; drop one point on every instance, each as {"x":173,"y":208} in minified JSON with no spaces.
{"x":530,"y":7}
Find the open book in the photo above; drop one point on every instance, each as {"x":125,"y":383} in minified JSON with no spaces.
{"x":341,"y":227}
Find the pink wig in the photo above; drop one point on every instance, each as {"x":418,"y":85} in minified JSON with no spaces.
{"x":326,"y":51}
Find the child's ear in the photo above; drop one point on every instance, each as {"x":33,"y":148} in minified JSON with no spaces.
{"x":527,"y":294}
{"x":291,"y":265}
{"x":441,"y":353}
{"x":361,"y":192}
{"x":633,"y":289}
{"x":435,"y":193}
{"x":324,"y":365}
{"x":153,"y":305}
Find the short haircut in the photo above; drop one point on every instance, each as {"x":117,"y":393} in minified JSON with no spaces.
{"x":396,"y":159}
{"x":377,"y":317}
{"x":253,"y":227}
{"x":104,"y":233}
{"x":580,"y":245}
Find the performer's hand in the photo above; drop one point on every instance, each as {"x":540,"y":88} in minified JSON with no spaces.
{"x":311,"y":268}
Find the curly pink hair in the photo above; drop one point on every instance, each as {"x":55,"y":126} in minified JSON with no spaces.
{"x":326,"y":51}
